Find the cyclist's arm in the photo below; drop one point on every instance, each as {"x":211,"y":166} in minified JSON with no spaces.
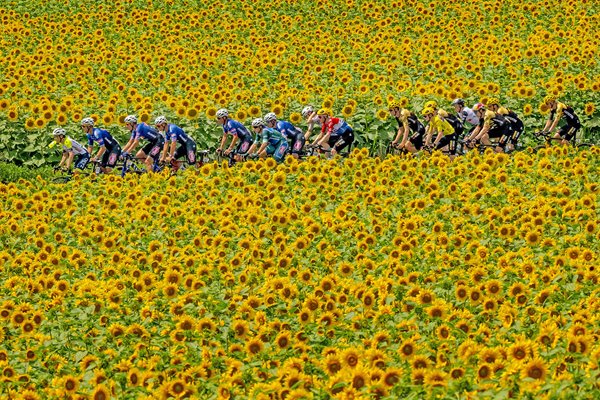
{"x":63,"y":159}
{"x":405,"y":130}
{"x":482,"y":132}
{"x":233,"y":142}
{"x":70,"y":156}
{"x":311,"y":125}
{"x":101,"y":152}
{"x":263,"y":149}
{"x":223,"y":141}
{"x":554,"y":123}
{"x":438,"y":138}
{"x":172,"y":149}
{"x":475,"y":132}
{"x":131,"y":144}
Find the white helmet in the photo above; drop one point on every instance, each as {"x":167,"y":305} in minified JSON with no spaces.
{"x":59,"y":132}
{"x":270,"y":117}
{"x":131,"y":119}
{"x":258,"y":122}
{"x":222,"y":113}
{"x":87,"y":122}
{"x":160,"y":120}
{"x":306,"y":111}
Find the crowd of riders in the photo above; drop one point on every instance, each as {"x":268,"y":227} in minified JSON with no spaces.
{"x":490,"y":124}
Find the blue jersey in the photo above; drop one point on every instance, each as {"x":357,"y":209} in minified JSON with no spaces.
{"x":102,"y":137}
{"x":235,"y":128}
{"x":287,"y":129}
{"x":175,"y":133}
{"x":145,"y":131}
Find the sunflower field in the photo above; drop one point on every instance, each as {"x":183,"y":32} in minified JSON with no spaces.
{"x":367,"y":279}
{"x":63,"y":60}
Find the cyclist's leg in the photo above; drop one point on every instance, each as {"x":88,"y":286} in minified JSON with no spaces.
{"x":109,"y":159}
{"x":345,"y":140}
{"x":298,"y":142}
{"x":81,"y":162}
{"x":191,"y":152}
{"x":281,"y":150}
{"x":154,"y":154}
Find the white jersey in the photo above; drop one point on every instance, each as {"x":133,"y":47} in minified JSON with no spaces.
{"x":71,"y":146}
{"x":314,"y":121}
{"x":468,"y":115}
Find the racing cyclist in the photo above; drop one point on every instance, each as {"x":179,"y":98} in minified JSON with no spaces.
{"x":465,"y":114}
{"x":293,"y":134}
{"x":561,"y":112}
{"x":309,"y":114}
{"x":238,"y":131}
{"x":335,"y":132}
{"x":70,"y":149}
{"x":174,"y":135}
{"x":516,"y":125}
{"x":150,"y":153}
{"x":110,"y":149}
{"x":445,"y":132}
{"x":273,"y":143}
{"x":408,"y":124}
{"x":491,"y":126}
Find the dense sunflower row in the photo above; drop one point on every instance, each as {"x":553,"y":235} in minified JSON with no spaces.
{"x":396,"y":278}
{"x":189,"y":58}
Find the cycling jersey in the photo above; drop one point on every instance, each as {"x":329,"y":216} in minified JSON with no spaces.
{"x":70,"y":146}
{"x":492,"y":120}
{"x":410,"y":119}
{"x":145,"y":131}
{"x":176,"y":134}
{"x":468,"y":115}
{"x":441,"y":125}
{"x":287,"y":129}
{"x":272,"y":136}
{"x":102,"y":137}
{"x":335,"y":127}
{"x":314,"y":121}
{"x":571,"y":119}
{"x":235,"y":128}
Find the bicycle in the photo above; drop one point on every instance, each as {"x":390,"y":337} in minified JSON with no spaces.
{"x":69,"y":174}
{"x":548,"y":138}
{"x":132,"y":165}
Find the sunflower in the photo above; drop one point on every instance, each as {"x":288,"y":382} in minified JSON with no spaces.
{"x":534,"y":369}
{"x":101,"y":393}
{"x":254,"y":346}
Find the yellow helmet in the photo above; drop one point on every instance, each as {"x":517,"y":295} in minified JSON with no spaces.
{"x":492,"y":101}
{"x":427,"y":111}
{"x":431,"y":104}
{"x":394,"y":104}
{"x":549,"y":98}
{"x":324,"y":111}
{"x":479,"y":106}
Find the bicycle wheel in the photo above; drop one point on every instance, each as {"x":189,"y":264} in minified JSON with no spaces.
{"x":585,"y":145}
{"x":62,"y":179}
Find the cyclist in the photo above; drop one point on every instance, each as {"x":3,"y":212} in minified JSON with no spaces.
{"x":150,"y":153}
{"x":70,"y":149}
{"x":443,"y":114}
{"x":491,"y":126}
{"x":293,"y":134}
{"x":110,"y":149}
{"x":408,"y":123}
{"x":445,"y":133}
{"x":516,"y":125}
{"x":335,"y":132}
{"x":273,"y":143}
{"x":465,"y":114}
{"x":570,"y":125}
{"x":238,"y":131}
{"x":174,"y":135}
{"x":309,"y":114}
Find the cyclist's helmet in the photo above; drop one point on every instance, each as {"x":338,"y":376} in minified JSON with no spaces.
{"x":427,"y":111}
{"x":160,"y":120}
{"x":492,"y":101}
{"x":270,"y":117}
{"x":306,"y":111}
{"x":131,"y":119}
{"x":222,"y":113}
{"x":549,"y":98}
{"x":458,"y":102}
{"x":87,"y":122}
{"x":324,"y":111}
{"x":478,"y":107}
{"x":258,"y":123}
{"x":431,"y":104}
{"x":59,"y":132}
{"x":394,"y":104}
